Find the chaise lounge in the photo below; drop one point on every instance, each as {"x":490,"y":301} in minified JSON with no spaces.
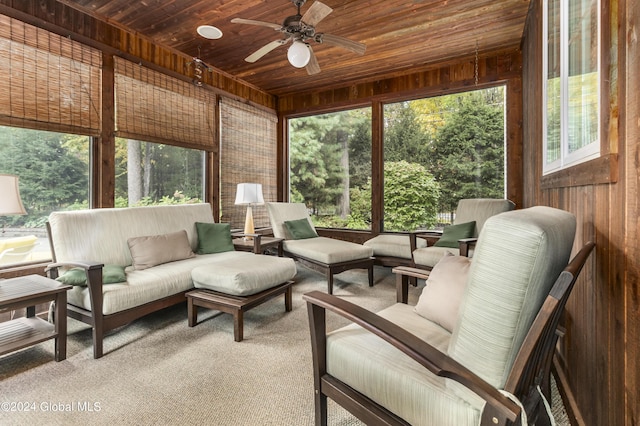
{"x":291,"y":221}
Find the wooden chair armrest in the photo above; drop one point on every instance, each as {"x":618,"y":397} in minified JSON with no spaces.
{"x":465,"y":244}
{"x":435,"y":361}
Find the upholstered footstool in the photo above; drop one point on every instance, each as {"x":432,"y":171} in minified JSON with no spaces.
{"x":238,"y":285}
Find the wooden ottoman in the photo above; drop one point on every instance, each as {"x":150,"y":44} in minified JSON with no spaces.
{"x":236,"y":286}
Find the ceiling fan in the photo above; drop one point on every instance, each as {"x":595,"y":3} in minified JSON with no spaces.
{"x":300,"y":30}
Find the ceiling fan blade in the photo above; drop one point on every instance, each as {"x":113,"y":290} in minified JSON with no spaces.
{"x":265,"y":49}
{"x":312,"y":67}
{"x":345,"y":43}
{"x":276,"y":27}
{"x":316,"y":13}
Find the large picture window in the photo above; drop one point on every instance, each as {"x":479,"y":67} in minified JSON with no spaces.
{"x":150,"y":173}
{"x":53,"y":172}
{"x":439,"y":150}
{"x":330,"y":167}
{"x":571,"y":64}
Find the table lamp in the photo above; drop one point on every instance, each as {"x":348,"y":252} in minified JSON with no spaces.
{"x":10,"y":202}
{"x":249,"y":194}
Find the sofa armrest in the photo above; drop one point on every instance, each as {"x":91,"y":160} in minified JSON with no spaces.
{"x":498,"y":405}
{"x":94,"y":284}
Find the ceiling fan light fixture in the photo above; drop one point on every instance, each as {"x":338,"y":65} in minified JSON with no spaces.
{"x":299,"y":54}
{"x":209,"y":31}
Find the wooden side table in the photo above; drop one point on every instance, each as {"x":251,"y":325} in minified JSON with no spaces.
{"x":258,"y":244}
{"x":27,"y":292}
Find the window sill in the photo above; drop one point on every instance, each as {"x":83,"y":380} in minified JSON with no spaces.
{"x":601,"y":170}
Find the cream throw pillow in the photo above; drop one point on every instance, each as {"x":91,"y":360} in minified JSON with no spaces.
{"x":154,"y":250}
{"x":441,"y":297}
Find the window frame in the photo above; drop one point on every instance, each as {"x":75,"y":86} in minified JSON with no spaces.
{"x":593,"y":150}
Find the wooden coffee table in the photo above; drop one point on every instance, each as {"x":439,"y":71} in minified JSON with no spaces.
{"x":27,"y":292}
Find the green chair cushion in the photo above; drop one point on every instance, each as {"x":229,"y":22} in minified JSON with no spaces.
{"x":300,"y":229}
{"x":453,"y":233}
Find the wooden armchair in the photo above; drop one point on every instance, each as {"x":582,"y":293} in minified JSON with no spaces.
{"x":399,"y":368}
{"x":476,"y":210}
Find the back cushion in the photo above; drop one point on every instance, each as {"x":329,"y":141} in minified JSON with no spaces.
{"x":101,"y":234}
{"x":281,"y":212}
{"x":518,"y":258}
{"x":479,"y":210}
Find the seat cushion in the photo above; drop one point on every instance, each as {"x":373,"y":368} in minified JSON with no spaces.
{"x":327,"y":250}
{"x":429,"y":256}
{"x":243,"y":276}
{"x":381,"y":372}
{"x":393,"y":245}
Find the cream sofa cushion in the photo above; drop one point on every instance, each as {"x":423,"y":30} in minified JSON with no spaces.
{"x":244,"y":275}
{"x":150,"y":284}
{"x":100,"y":235}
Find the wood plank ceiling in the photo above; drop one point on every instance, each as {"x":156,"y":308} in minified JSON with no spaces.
{"x":400,"y":35}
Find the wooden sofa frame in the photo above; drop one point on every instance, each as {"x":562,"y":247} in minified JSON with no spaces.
{"x":531,"y":368}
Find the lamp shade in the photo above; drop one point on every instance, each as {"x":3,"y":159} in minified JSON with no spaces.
{"x":299,"y":54}
{"x":10,"y":202}
{"x":249,"y":193}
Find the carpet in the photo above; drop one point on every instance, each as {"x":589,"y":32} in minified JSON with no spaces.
{"x":157,"y":370}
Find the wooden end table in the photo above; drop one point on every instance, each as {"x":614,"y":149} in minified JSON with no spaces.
{"x":259,"y":244}
{"x":27,"y":292}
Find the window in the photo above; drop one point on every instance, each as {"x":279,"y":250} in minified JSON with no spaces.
{"x":330,"y":167}
{"x":571,"y":64}
{"x":439,"y":150}
{"x":53,"y":171}
{"x":150,"y":173}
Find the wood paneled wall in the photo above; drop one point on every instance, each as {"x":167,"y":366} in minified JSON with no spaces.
{"x":599,"y":354}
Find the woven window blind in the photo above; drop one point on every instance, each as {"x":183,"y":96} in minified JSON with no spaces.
{"x":155,"y":107}
{"x":48,"y":82}
{"x":248,"y":153}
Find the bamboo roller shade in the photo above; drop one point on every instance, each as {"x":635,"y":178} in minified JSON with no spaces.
{"x":155,"y":107}
{"x":248,"y":153}
{"x":48,"y":82}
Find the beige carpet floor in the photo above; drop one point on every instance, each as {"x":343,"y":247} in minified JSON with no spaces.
{"x":157,"y":370}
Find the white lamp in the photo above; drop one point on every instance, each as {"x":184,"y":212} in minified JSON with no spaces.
{"x":10,"y":202}
{"x":248,"y":194}
{"x":299,"y":54}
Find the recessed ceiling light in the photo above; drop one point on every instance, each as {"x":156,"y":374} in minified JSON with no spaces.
{"x":210,"y":32}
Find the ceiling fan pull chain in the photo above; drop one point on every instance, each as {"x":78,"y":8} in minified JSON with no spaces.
{"x":476,"y":64}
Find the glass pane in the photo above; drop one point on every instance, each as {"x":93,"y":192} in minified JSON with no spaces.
{"x":553,"y":82}
{"x":439,"y":150}
{"x":330,"y":167}
{"x":583,"y":74}
{"x":53,"y":169}
{"x":150,"y":173}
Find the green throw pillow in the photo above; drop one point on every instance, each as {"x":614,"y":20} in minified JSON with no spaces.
{"x":213,"y":237}
{"x":453,"y":233}
{"x":300,"y":229}
{"x":110,"y":274}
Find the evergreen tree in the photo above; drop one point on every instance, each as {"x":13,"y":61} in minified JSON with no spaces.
{"x":467,"y":155}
